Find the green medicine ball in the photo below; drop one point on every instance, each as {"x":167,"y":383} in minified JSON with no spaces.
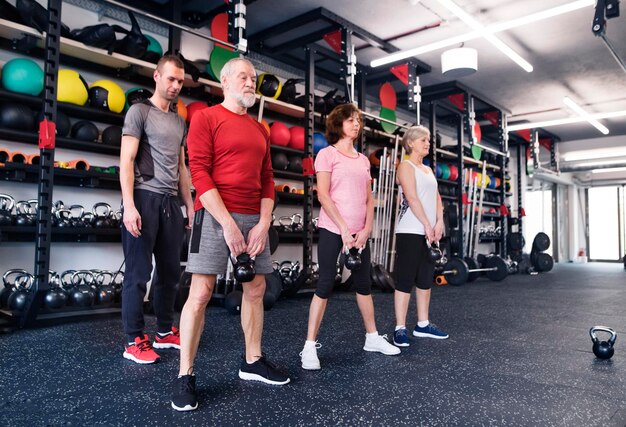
{"x":154,"y":45}
{"x":154,"y":51}
{"x":22,"y":75}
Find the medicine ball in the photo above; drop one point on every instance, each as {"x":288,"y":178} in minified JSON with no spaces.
{"x":279,"y":134}
{"x":288,"y":92}
{"x":319,"y":142}
{"x":63,"y":123}
{"x":181,"y":109}
{"x":84,"y":130}
{"x":72,"y":88}
{"x":107,"y":95}
{"x":193,"y":108}
{"x":22,"y":75}
{"x":136,"y":95}
{"x":154,"y":51}
{"x":266,"y":125}
{"x":268,"y":85}
{"x":280,"y":161}
{"x":295,"y":163}
{"x":16,"y":116}
{"x":112,"y":136}
{"x":296,"y":137}
{"x":375,"y":157}
{"x":232,"y":302}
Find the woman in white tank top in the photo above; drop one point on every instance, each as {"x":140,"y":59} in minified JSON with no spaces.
{"x":420,"y":220}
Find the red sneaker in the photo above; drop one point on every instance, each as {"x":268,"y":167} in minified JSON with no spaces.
{"x":141,"y":351}
{"x":171,"y":340}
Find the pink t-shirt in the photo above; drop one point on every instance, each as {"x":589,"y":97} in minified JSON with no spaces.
{"x":349,"y":182}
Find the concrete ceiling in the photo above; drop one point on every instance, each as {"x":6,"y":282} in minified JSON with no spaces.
{"x":568,"y":59}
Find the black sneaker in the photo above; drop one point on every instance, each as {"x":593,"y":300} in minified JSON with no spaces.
{"x":184,"y":397}
{"x":262,"y":370}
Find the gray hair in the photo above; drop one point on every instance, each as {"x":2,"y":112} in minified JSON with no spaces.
{"x":413,"y":133}
{"x":229,"y":68}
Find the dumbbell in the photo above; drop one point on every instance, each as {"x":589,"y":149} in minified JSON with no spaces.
{"x":243,"y":267}
{"x":457,"y":272}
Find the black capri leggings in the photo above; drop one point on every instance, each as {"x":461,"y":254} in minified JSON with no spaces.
{"x":328,"y":248}
{"x":413,"y":267}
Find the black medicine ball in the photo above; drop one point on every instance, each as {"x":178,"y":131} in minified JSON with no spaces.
{"x":112,"y":136}
{"x":136,"y":96}
{"x":85,"y":131}
{"x":16,"y":116}
{"x":63,"y":123}
{"x":295,"y":164}
{"x":279,"y":161}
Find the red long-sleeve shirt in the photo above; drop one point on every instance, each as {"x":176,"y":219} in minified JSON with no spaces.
{"x":230,"y":152}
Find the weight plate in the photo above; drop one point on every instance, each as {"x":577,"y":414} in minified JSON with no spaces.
{"x":456,"y":271}
{"x":471,"y":265}
{"x":543,"y":262}
{"x":541,"y":242}
{"x":501,"y":268}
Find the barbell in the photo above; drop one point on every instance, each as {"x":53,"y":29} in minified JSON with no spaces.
{"x":457,"y":271}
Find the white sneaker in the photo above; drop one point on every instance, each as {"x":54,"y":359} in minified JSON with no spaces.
{"x":309,"y":356}
{"x":380,"y":344}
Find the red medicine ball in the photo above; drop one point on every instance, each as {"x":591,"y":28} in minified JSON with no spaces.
{"x":193,"y":108}
{"x":296,"y":139}
{"x":279,"y":134}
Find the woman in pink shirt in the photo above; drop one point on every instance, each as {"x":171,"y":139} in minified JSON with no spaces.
{"x":345,"y":222}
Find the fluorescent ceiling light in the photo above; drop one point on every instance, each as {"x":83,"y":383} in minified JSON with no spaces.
{"x":598,"y":153}
{"x":600,"y":163}
{"x":607,"y":170}
{"x":477,"y":26}
{"x":566,"y":121}
{"x":502,"y":26}
{"x":585,"y":115}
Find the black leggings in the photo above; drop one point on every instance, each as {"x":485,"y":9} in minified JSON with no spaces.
{"x":413,"y":267}
{"x":328,"y":248}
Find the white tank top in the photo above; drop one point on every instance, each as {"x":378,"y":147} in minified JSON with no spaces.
{"x":426,"y":188}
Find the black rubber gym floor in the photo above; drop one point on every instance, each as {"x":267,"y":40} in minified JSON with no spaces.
{"x":519,"y":353}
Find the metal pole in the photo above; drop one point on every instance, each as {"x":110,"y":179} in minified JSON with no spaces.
{"x":165,"y":21}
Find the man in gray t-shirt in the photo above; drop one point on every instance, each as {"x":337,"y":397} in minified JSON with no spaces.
{"x":154,"y":180}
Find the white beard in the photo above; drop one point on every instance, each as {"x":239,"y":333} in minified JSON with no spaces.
{"x":243,"y":99}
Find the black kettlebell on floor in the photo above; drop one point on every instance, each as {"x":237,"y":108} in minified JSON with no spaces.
{"x":243,"y":267}
{"x":603,"y":349}
{"x":434,"y":253}
{"x":353,"y":258}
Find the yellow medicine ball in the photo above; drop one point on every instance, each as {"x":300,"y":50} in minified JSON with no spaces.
{"x":105,"y":94}
{"x":72,"y":88}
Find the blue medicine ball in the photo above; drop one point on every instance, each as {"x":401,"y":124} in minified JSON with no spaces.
{"x":319,"y":142}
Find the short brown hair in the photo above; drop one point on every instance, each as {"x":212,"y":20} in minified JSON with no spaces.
{"x":170,"y":58}
{"x":334,"y":121}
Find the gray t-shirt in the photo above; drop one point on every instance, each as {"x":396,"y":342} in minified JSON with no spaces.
{"x":160,"y":137}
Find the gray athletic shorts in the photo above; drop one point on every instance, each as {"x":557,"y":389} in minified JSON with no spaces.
{"x":208,"y":252}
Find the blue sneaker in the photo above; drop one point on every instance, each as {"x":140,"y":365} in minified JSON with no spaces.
{"x":430,"y":331}
{"x":401,"y":338}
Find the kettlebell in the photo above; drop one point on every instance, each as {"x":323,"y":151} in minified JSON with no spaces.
{"x":102,"y":213}
{"x":603,"y":349}
{"x":56,"y":296}
{"x":434,"y":253}
{"x":353,"y":258}
{"x":243,"y":267}
{"x":19,"y":298}
{"x":6,"y":209}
